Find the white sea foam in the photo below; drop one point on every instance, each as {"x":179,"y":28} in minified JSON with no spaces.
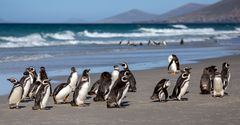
{"x":180,"y":26}
{"x":24,"y":58}
{"x":112,"y":35}
{"x":31,"y":37}
{"x":66,"y":35}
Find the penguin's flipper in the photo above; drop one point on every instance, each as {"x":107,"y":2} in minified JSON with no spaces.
{"x":170,"y":64}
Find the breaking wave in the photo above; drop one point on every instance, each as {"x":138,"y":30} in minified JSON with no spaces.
{"x":24,"y":58}
{"x":66,"y":35}
{"x":179,"y":26}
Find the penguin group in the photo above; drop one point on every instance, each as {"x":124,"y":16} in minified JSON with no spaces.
{"x":111,"y":88}
{"x":214,"y":82}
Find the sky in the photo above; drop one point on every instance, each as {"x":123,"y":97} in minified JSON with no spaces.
{"x":46,"y":11}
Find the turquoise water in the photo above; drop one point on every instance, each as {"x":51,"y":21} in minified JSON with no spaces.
{"x":61,"y":46}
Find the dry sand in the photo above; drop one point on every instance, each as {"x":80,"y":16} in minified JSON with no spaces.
{"x":198,"y":109}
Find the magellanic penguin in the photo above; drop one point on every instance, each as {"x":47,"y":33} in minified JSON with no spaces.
{"x":26,"y":82}
{"x":118,"y":92}
{"x":218,"y":90}
{"x":131,"y":78}
{"x":37,"y":84}
{"x":161,"y":89}
{"x":15,"y":96}
{"x":103,"y":88}
{"x":182,"y":84}
{"x":173,"y":66}
{"x":115,"y":76}
{"x":81,"y":90}
{"x":212,"y":70}
{"x":62,"y":91}
{"x":205,"y":82}
{"x":42,"y":95}
{"x":225,"y":73}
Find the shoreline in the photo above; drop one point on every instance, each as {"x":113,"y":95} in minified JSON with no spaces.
{"x":198,"y":109}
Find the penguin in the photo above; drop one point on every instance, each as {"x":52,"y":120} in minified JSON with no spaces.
{"x":205,"y":82}
{"x":32,"y":73}
{"x":37,"y":84}
{"x":115,"y":76}
{"x":118,"y":92}
{"x":226,"y":75}
{"x":218,"y":90}
{"x":42,"y":95}
{"x":94,"y":88}
{"x":26,"y":82}
{"x":182,"y":84}
{"x":16,"y":93}
{"x":212,"y":70}
{"x":103,"y":88}
{"x":131,"y":78}
{"x":160,"y":90}
{"x":173,"y":66}
{"x":62,"y":91}
{"x":81,"y":91}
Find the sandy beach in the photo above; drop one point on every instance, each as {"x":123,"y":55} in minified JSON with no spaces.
{"x":198,"y":109}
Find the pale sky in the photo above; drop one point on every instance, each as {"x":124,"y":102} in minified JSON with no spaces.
{"x":88,"y":10}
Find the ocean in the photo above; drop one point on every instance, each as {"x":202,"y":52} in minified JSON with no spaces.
{"x":58,"y":47}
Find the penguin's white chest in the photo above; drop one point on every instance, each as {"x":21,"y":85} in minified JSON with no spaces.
{"x":64,"y":92}
{"x":217,"y":84}
{"x":173,"y":66}
{"x":26,"y":88}
{"x":16,"y":95}
{"x":82,"y":93}
{"x":45,"y":98}
{"x":74,"y":80}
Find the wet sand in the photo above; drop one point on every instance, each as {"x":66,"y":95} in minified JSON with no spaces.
{"x":139,"y":109}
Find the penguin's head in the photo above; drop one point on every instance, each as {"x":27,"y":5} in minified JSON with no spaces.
{"x":124,"y":65}
{"x":124,"y":79}
{"x":42,"y":68}
{"x":116,"y":67}
{"x":86,"y":72}
{"x":106,"y":75}
{"x":13,"y":80}
{"x":73,"y":69}
{"x":187,"y":69}
{"x":30,"y":69}
{"x":213,"y":68}
{"x":226,"y":65}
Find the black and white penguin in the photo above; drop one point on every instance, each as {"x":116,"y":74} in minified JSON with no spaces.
{"x":31,"y":70}
{"x":205,"y":82}
{"x":26,"y":82}
{"x":173,"y":66}
{"x":226,"y":75}
{"x":212,"y":70}
{"x":115,"y":76}
{"x":131,"y":78}
{"x":42,"y":95}
{"x":118,"y":92}
{"x":182,"y":84}
{"x":103,"y":89}
{"x":218,"y":90}
{"x":81,"y":90}
{"x":161,"y":89}
{"x":16,"y":93}
{"x":62,"y":91}
{"x":37,"y":84}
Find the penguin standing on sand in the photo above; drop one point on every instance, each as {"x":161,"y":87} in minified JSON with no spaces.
{"x":161,"y":89}
{"x":218,"y":90}
{"x":212,"y":71}
{"x":81,"y":90}
{"x":118,"y":91}
{"x":173,"y":66}
{"x":205,"y":82}
{"x":115,"y":76}
{"x":103,"y":88}
{"x":62,"y":91}
{"x":15,"y":96}
{"x":225,"y":73}
{"x":182,"y":84}
{"x":131,"y":78}
{"x":26,"y":82}
{"x":37,"y":84}
{"x":42,"y":95}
